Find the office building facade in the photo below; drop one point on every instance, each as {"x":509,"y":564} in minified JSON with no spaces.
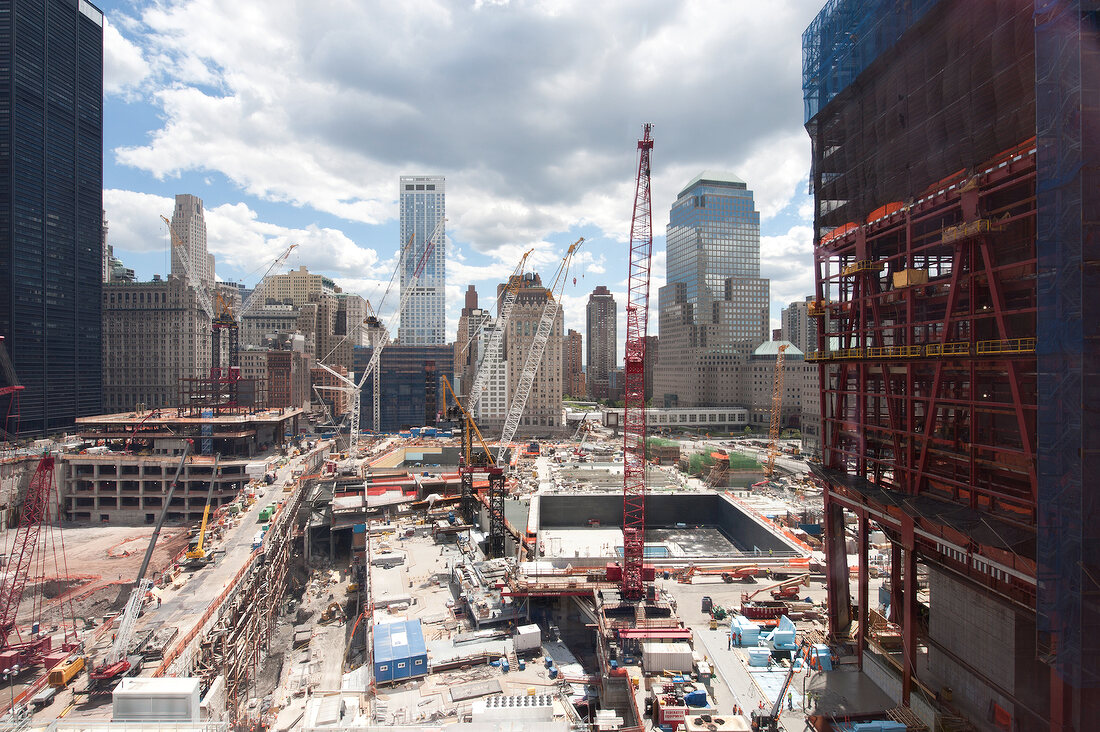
{"x":714,"y":310}
{"x":154,"y":334}
{"x":423,"y":206}
{"x":51,"y":206}
{"x":412,"y":390}
{"x":572,"y":366}
{"x":189,"y":228}
{"x":798,"y":327}
{"x":601,"y":325}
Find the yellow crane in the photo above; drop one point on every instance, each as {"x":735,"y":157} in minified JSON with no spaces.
{"x":470,"y":428}
{"x":777,"y":411}
{"x":198,"y":554}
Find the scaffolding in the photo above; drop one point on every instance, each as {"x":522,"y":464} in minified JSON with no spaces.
{"x":1068,"y":612}
{"x":942,"y":86}
{"x":951,"y":149}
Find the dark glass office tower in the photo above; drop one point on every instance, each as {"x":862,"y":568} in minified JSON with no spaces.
{"x":51,"y":206}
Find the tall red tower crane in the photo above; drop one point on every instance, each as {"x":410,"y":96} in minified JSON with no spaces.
{"x":634,"y":427}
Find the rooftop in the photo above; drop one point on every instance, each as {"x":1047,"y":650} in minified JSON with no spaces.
{"x":168,"y":417}
{"x":771,"y":348}
{"x":714,"y":176}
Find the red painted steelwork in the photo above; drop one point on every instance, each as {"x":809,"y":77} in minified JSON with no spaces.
{"x":634,"y":427}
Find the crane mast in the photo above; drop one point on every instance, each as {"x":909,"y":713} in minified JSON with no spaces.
{"x":777,"y":410}
{"x":634,"y":420}
{"x":538,"y":347}
{"x":382,"y":338}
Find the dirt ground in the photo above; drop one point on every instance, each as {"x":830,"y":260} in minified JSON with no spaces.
{"x":94,"y":569}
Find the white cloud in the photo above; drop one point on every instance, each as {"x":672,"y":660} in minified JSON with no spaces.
{"x":531,"y":110}
{"x":124,"y":66}
{"x":239,"y":239}
{"x":787,"y":260}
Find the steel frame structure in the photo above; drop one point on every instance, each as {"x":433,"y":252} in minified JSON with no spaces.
{"x":498,"y":529}
{"x":634,"y":418}
{"x":929,"y":395}
{"x":237,"y":637}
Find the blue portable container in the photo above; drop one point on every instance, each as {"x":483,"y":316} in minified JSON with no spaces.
{"x":399,"y":651}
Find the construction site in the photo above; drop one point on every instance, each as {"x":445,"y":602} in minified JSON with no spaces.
{"x":265,"y":571}
{"x":229,"y":564}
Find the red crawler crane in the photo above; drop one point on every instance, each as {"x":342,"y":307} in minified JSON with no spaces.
{"x":36,"y":514}
{"x":634,"y":429}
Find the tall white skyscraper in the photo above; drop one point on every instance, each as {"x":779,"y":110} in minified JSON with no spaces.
{"x":423,"y":205}
{"x":190,"y":228}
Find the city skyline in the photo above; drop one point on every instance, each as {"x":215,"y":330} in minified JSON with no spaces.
{"x":177,"y":121}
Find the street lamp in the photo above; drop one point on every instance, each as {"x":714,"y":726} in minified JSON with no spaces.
{"x":10,"y":674}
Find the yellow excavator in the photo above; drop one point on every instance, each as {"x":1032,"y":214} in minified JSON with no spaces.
{"x":197,"y":556}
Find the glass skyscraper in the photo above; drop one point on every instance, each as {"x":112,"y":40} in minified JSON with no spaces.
{"x":713,"y":235}
{"x":423,"y":201}
{"x":715,"y":306}
{"x":51,"y":206}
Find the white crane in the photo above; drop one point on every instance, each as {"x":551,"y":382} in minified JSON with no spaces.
{"x":492,"y":355}
{"x":381,"y":339}
{"x":538,"y":347}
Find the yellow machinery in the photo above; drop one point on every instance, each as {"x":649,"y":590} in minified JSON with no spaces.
{"x":471,"y":428}
{"x":198,"y":554}
{"x":777,"y":411}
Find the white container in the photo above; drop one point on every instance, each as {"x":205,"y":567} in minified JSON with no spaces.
{"x":527,"y":638}
{"x":167,"y":699}
{"x":256,"y":470}
{"x":658,"y":657}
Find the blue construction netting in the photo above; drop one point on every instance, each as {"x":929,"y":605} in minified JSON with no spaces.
{"x":845,"y":38}
{"x":1067,"y":71}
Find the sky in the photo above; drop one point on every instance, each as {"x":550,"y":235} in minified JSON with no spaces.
{"x":293,"y":119}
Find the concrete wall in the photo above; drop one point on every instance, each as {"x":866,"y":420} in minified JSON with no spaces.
{"x":888,"y":679}
{"x":662,"y":511}
{"x":979,"y":630}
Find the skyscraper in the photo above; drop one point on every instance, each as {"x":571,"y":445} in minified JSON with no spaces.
{"x":798,"y":328}
{"x":543,"y":409}
{"x":51,"y":206}
{"x":189,"y":226}
{"x":601,"y":325}
{"x":572,"y":368}
{"x":713,"y":310}
{"x":423,"y":202}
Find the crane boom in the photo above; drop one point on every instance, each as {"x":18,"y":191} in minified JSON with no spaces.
{"x":492,"y":355}
{"x":634,"y":417}
{"x":116,"y":662}
{"x":35,"y":511}
{"x":205,"y":301}
{"x":381,"y":339}
{"x":405,"y":297}
{"x":538,"y":347}
{"x":258,"y":295}
{"x":199,"y":552}
{"x":777,"y":411}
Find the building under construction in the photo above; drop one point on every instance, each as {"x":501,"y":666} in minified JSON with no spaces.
{"x":953,"y":146}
